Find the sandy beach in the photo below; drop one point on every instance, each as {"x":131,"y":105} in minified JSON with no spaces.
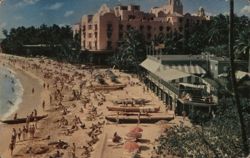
{"x":76,"y":124}
{"x":29,"y":103}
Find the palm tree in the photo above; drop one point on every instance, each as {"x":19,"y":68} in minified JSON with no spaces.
{"x":219,"y":30}
{"x":233,"y":80}
{"x":131,"y":51}
{"x":242,"y":46}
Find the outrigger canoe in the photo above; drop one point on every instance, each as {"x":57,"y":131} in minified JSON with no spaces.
{"x":134,"y":109}
{"x":109,"y":87}
{"x":22,"y":120}
{"x":134,"y":119}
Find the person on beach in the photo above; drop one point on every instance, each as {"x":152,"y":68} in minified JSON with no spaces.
{"x":24,"y":132}
{"x":15,"y":116}
{"x":35,"y":112}
{"x":19,"y":133}
{"x":74,"y":150}
{"x":14,"y":135}
{"x":32,"y":131}
{"x":43,"y":105}
{"x":35,"y":120}
{"x":11,"y":147}
{"x":50,"y":99}
{"x":116,"y":138}
{"x":27,"y":121}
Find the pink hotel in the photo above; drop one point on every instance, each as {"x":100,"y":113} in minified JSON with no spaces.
{"x":102,"y":31}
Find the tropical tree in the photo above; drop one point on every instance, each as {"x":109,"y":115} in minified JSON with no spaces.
{"x":218,"y":32}
{"x":242,"y":46}
{"x":131,"y":51}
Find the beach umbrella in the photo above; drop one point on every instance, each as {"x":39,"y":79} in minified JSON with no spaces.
{"x":135,"y":135}
{"x":136,"y":129}
{"x":131,"y":146}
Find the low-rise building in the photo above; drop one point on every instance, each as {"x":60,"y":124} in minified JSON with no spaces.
{"x":181,"y":81}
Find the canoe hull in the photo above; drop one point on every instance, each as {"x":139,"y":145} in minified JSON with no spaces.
{"x":109,"y":87}
{"x":134,"y":109}
{"x":22,"y":120}
{"x":129,"y":119}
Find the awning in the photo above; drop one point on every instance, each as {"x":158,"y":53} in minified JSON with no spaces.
{"x":171,"y":74}
{"x":192,"y":69}
{"x":150,"y":65}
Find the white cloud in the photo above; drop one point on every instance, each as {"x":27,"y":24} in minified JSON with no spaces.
{"x":55,"y":6}
{"x":245,"y":10}
{"x":69,"y":13}
{"x":3,"y":25}
{"x":23,"y":3}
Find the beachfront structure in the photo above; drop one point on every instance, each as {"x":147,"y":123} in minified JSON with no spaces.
{"x":102,"y":31}
{"x":181,"y":81}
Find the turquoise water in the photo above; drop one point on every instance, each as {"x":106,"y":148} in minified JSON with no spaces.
{"x":11,"y":92}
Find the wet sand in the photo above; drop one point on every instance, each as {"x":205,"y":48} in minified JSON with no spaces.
{"x":29,"y":103}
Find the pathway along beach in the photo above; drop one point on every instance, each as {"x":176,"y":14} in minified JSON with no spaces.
{"x":76,"y":124}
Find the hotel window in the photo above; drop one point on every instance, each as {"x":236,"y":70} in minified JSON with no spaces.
{"x":84,"y":35}
{"x":149,"y":35}
{"x":84,"y":28}
{"x":128,"y":27}
{"x":95,"y":26}
{"x":109,"y":45}
{"x":90,"y":45}
{"x":131,"y":17}
{"x":90,"y":27}
{"x":121,"y":27}
{"x":120,"y":35}
{"x":95,"y":44}
{"x":109,"y":27}
{"x":180,"y":29}
{"x":168,"y":28}
{"x":83,"y":44}
{"x":149,"y":27}
{"x":95,"y":34}
{"x":90,"y":35}
{"x":161,"y":28}
{"x":141,"y":27}
{"x":180,"y":20}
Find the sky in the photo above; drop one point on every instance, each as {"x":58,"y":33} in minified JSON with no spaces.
{"x":14,"y":13}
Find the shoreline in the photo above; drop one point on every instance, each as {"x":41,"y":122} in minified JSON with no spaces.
{"x":26,"y":106}
{"x":18,"y":94}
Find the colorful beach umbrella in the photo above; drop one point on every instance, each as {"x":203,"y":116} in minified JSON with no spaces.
{"x":131,"y":146}
{"x":136,"y":129}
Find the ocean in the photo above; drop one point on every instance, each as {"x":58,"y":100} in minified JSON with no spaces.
{"x":11,"y":92}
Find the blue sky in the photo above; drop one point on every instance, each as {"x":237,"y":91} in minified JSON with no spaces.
{"x":15,"y":13}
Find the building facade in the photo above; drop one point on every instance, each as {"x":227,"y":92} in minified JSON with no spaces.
{"x":187,"y":82}
{"x":103,"y":30}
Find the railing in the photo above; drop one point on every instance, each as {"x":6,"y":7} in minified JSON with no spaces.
{"x":163,"y":84}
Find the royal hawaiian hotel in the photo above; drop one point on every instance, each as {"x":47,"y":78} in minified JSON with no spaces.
{"x":102,"y":31}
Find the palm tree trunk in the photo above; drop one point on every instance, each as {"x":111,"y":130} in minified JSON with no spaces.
{"x":249,"y":60}
{"x":233,"y":80}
